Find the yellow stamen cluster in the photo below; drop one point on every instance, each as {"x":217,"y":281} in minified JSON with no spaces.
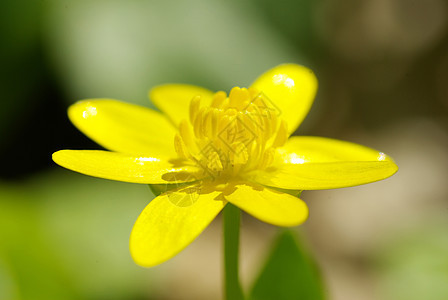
{"x":235,"y":134}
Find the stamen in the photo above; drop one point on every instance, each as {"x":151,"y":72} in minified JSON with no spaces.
{"x":235,"y":134}
{"x":187,"y":135}
{"x":282,"y":135}
{"x":214,"y":122}
{"x":239,"y":98}
{"x":239,"y":154}
{"x":194,"y":107}
{"x":214,"y":162}
{"x":197,"y":123}
{"x":180,"y":148}
{"x":207,"y":123}
{"x":267,"y":159}
{"x":218,"y":99}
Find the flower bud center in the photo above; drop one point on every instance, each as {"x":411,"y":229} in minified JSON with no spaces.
{"x":234,"y":134}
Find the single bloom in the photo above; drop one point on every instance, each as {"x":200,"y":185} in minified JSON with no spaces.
{"x":207,"y":149}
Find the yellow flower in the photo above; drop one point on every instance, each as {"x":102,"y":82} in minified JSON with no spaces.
{"x":214,"y":149}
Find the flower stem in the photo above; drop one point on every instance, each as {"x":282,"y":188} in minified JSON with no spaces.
{"x":232,"y":219}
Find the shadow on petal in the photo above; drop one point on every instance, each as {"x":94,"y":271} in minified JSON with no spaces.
{"x":181,"y":176}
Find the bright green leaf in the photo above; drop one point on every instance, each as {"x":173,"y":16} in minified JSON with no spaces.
{"x":289,"y":273}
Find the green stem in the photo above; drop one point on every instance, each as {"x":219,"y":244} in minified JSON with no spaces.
{"x":232,"y":219}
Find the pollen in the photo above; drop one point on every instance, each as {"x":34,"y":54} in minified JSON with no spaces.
{"x":234,"y":134}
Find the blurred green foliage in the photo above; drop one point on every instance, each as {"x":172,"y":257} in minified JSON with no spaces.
{"x":289,"y":273}
{"x":415,"y":265}
{"x":66,"y":237}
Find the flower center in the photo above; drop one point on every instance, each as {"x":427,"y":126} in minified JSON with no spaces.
{"x":235,"y":134}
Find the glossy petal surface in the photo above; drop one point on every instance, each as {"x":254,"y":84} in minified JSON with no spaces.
{"x":314,"y":163}
{"x":172,"y":221}
{"x":124,"y":127}
{"x":319,"y":176}
{"x":174,"y":99}
{"x":307,"y":149}
{"x":127,"y":168}
{"x":269,"y":206}
{"x":291,"y":88}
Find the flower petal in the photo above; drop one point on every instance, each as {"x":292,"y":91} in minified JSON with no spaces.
{"x":315,"y":163}
{"x":127,"y":168}
{"x":268,"y":205}
{"x":174,"y":99}
{"x":312,"y":149}
{"x":171,"y":221}
{"x":124,"y":127}
{"x":291,"y":88}
{"x":320,"y":176}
